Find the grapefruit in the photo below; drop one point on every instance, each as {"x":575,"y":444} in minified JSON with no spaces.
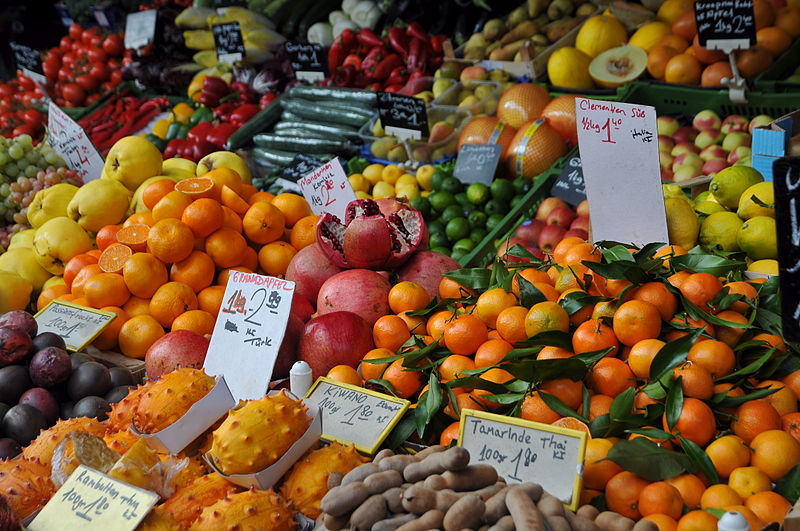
{"x":487,"y":130}
{"x":560,"y":115}
{"x":535,"y":148}
{"x":522,"y":103}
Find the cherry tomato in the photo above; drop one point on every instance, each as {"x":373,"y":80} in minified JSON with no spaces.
{"x":60,"y":101}
{"x":100,"y":71}
{"x":50,"y":67}
{"x":64,"y":73}
{"x":26,"y":83}
{"x":107,"y":86}
{"x":113,"y":63}
{"x":96,"y":41}
{"x":28,"y":98}
{"x":55,"y":53}
{"x":65,"y":44}
{"x":27,"y":129}
{"x":86,"y":36}
{"x":87,"y":82}
{"x":96,"y":54}
{"x":116,"y":77}
{"x":32,"y":116}
{"x":126,"y":61}
{"x":75,"y":31}
{"x":68,"y":58}
{"x":113,"y":45}
{"x":7,"y":90}
{"x":73,"y":93}
{"x":91,"y":98}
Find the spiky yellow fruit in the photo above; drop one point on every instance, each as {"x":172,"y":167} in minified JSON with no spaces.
{"x":158,"y":520}
{"x":121,"y":415}
{"x":44,"y":445}
{"x":262,"y":510}
{"x":26,"y":485}
{"x":120,"y":441}
{"x":170,"y":398}
{"x":186,"y":504}
{"x":138,"y":467}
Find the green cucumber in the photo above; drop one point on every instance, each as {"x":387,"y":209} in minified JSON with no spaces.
{"x":347,"y":132}
{"x":305,"y":145}
{"x":295,"y":132}
{"x":273,"y":157}
{"x":325,"y":113}
{"x":333,"y":106}
{"x":345,"y":95}
{"x":262,"y":121}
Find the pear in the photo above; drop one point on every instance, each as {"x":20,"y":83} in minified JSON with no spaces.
{"x":99,"y":203}
{"x":57,"y":241}
{"x":50,"y":203}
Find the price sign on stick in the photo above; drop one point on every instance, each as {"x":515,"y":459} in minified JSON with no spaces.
{"x":786,"y":179}
{"x":248,"y":332}
{"x":356,"y":415}
{"x":140,"y":29}
{"x":229,"y":42}
{"x":569,"y":186}
{"x":76,"y":324}
{"x":327,"y":189}
{"x":725,"y":25}
{"x":477,"y":163}
{"x":93,"y":501}
{"x":29,"y":61}
{"x":522,"y":451}
{"x":403,"y":116}
{"x":69,"y":140}
{"x":309,"y":61}
{"x":619,"y":157}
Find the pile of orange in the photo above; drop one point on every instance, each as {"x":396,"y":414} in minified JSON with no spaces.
{"x":166,"y":268}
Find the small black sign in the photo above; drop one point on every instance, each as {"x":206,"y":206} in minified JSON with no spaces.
{"x":229,"y":42}
{"x":403,"y":116}
{"x":300,"y":166}
{"x":27,"y":58}
{"x":570,"y":186}
{"x":230,"y":3}
{"x":725,"y":20}
{"x":308,"y":58}
{"x":786,"y":177}
{"x":477,"y":163}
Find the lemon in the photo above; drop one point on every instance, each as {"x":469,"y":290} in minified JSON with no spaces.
{"x":425,"y":176}
{"x":406,"y":179}
{"x":359,"y":182}
{"x":682,"y":223}
{"x":373,"y":173}
{"x":718,"y":231}
{"x":648,"y":35}
{"x":748,"y":208}
{"x":729,"y":184}
{"x":360,"y":194}
{"x":672,"y":190}
{"x":391,"y":173}
{"x":409,"y":191}
{"x":758,"y":238}
{"x":382,"y":189}
{"x":569,"y":67}
{"x":708,"y":207}
{"x":767,"y":267}
{"x":702,"y":196}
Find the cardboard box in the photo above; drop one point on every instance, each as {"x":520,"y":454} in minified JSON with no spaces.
{"x":771,"y":142}
{"x":201,"y":416}
{"x":792,"y":520}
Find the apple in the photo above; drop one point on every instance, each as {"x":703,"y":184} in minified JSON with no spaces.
{"x":583,"y":208}
{"x":734,"y":123}
{"x":707,"y":137}
{"x":684,"y":173}
{"x":713,"y":166}
{"x":580,"y":233}
{"x":687,"y":159}
{"x":683,"y":147}
{"x":712,"y":152}
{"x":561,"y":216}
{"x":665,"y":160}
{"x":529,"y":230}
{"x":738,"y":154}
{"x":734,"y":140}
{"x":547,"y":205}
{"x":706,"y":119}
{"x":685,"y":134}
{"x":777,"y":4}
{"x":761,"y":120}
{"x":666,"y":174}
{"x":550,"y":236}
{"x":665,"y":143}
{"x":581,"y":222}
{"x":667,"y":125}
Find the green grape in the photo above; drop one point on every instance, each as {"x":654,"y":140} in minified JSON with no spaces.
{"x":5,"y":190}
{"x":4,"y":158}
{"x":3,"y":209}
{"x":32,"y":157}
{"x":31,"y":171}
{"x":25,"y":140}
{"x":16,"y":152}
{"x":53,"y":159}
{"x":12,"y":170}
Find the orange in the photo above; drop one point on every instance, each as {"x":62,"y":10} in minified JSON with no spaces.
{"x":553,"y":353}
{"x":491,"y":352}
{"x":464,"y":334}
{"x":636,"y":320}
{"x":407,"y":296}
{"x":143,"y":274}
{"x":729,"y":334}
{"x":450,"y":434}
{"x":406,"y":382}
{"x":134,"y":236}
{"x":754,"y":417}
{"x":683,"y":69}
{"x":74,"y":265}
{"x":196,"y":321}
{"x":293,"y":206}
{"x":464,"y":400}
{"x":154,"y":191}
{"x":747,"y":480}
{"x":728,"y":453}
{"x":775,"y":452}
{"x":657,"y":294}
{"x":521,"y":103}
{"x":198,"y":188}
{"x":768,"y":506}
{"x":171,"y":300}
{"x":657,"y":58}
{"x":660,"y":498}
{"x":170,"y":240}
{"x":747,"y":291}
{"x":573,"y":276}
{"x":375,"y":370}
{"x":274,"y":257}
{"x":196,"y":271}
{"x":642,"y":400}
{"x":234,"y":201}
{"x":677,"y":279}
{"x":345,"y":374}
{"x":263,"y":222}
{"x":106,"y":289}
{"x":450,"y":289}
{"x":791,"y":425}
{"x":719,"y":496}
{"x":415,"y":323}
{"x":695,"y":380}
{"x":690,"y":488}
{"x":599,"y":405}
{"x":568,"y":391}
{"x":226,"y":247}
{"x":138,"y":334}
{"x":605,"y":309}
{"x":304,"y":232}
{"x":48,"y":294}
{"x":454,"y":365}
{"x":82,"y":277}
{"x":511,"y":324}
{"x":106,"y":236}
{"x":571,"y":423}
{"x":668,"y":251}
{"x":248,"y":191}
{"x":582,"y":252}
{"x":437,"y":322}
{"x":544,"y":317}
{"x":250,"y":257}
{"x":695,"y":423}
{"x":664,"y":522}
{"x":641,"y":356}
{"x":697,"y":520}
{"x":772,"y":340}
{"x":231,"y":220}
{"x":171,"y":205}
{"x":534,"y":408}
{"x":390,"y":332}
{"x":700,"y":289}
{"x":622,"y":494}
{"x":561,"y":248}
{"x":592,"y":335}
{"x":788,"y":19}
{"x":260,"y":196}
{"x":203,"y":216}
{"x":222,"y":277}
{"x":140,"y":218}
{"x":532,"y":275}
{"x":107,"y":339}
{"x":610,"y":376}
{"x":225,"y":177}
{"x":114,"y":257}
{"x":717,"y":357}
{"x":783,"y":400}
{"x":137,"y":306}
{"x":597,"y":469}
{"x":210,"y":299}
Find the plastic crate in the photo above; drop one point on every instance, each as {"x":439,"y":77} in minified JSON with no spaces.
{"x":773,"y":78}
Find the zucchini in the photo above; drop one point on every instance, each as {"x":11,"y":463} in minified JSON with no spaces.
{"x":273,"y":157}
{"x":347,"y":132}
{"x":262,"y":121}
{"x":301,"y":144}
{"x":325,"y":113}
{"x":345,"y":95}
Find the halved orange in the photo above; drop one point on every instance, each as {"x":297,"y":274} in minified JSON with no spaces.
{"x":134,"y":236}
{"x":198,"y":187}
{"x":114,"y":257}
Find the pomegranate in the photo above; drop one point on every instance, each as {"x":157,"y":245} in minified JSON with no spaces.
{"x":309,"y":269}
{"x":301,"y":307}
{"x":361,"y":291}
{"x":336,"y":338}
{"x":15,"y":343}
{"x":369,"y":238}
{"x":181,"y":348}
{"x":20,"y":319}
{"x":287,"y":354}
{"x":426,"y":269}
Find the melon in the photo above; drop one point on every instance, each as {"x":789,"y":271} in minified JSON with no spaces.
{"x":600,"y":33}
{"x":618,"y":66}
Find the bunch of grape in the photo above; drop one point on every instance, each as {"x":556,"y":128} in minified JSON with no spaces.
{"x":7,"y":232}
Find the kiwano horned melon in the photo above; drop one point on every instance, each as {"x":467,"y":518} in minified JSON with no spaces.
{"x":26,"y":485}
{"x":80,"y":448}
{"x":121,"y":415}
{"x":307,"y":482}
{"x":261,"y":510}
{"x":44,"y":445}
{"x":181,"y":470}
{"x":140,"y":466}
{"x":170,"y":398}
{"x":158,"y":520}
{"x":120,"y":441}
{"x":255,"y":436}
{"x":186,"y":504}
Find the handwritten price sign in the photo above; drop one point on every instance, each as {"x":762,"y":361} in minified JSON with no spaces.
{"x":403,"y":116}
{"x":69,"y":140}
{"x":725,"y":24}
{"x":77,"y":325}
{"x":570,"y":186}
{"x":308,"y":60}
{"x":327,"y":189}
{"x":249,"y":329}
{"x":619,"y":157}
{"x":229,"y":42}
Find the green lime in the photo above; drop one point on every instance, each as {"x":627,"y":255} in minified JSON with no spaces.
{"x":441,"y":200}
{"x":758,"y":238}
{"x":477,"y":193}
{"x":521,"y":185}
{"x":437,"y":179}
{"x":477,"y":219}
{"x":502,"y":190}
{"x":436,"y":225}
{"x":456,"y":229}
{"x":718,"y":231}
{"x":452,"y":185}
{"x":441,"y":250}
{"x":452,"y":212}
{"x":457,"y":254}
{"x":478,"y":234}
{"x":493,"y":221}
{"x":495,"y":206}
{"x":464,"y":244}
{"x":515,"y":201}
{"x":423,"y":205}
{"x":438,"y":239}
{"x":462,"y":199}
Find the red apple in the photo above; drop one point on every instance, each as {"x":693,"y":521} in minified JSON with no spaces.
{"x":547,"y":205}
{"x":580,"y":233}
{"x":683,"y":147}
{"x":667,"y":125}
{"x":734,"y":140}
{"x":684,"y":173}
{"x":707,"y":137}
{"x":561,"y":216}
{"x":690,"y":159}
{"x":713,"y":166}
{"x":761,"y":120}
{"x":712,"y":152}
{"x":665,"y":160}
{"x":685,"y":134}
{"x":529,"y":230}
{"x":665,"y":143}
{"x":738,"y":154}
{"x":581,"y":222}
{"x":734,"y":123}
{"x":706,"y":119}
{"x":666,"y":175}
{"x":550,"y":236}
{"x":583,"y":208}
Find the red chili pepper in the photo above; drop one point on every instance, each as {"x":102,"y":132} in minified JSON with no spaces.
{"x":398,"y":40}
{"x":366,"y":37}
{"x":416,"y":84}
{"x":416,"y":31}
{"x":398,"y":76}
{"x":349,"y":39}
{"x":392,"y":88}
{"x":243,"y":113}
{"x":372,"y":59}
{"x":417,"y":55}
{"x":386,"y":66}
{"x":220,"y":134}
{"x":199,"y":132}
{"x":336,"y":54}
{"x":437,"y":43}
{"x":353,"y":59}
{"x":374,"y":86}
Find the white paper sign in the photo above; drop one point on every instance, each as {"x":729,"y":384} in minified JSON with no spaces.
{"x":248,"y":332}
{"x":327,"y":189}
{"x":140,"y":29}
{"x":91,"y":500}
{"x":619,"y":155}
{"x":69,"y":140}
{"x":77,"y":325}
{"x":523,"y":451}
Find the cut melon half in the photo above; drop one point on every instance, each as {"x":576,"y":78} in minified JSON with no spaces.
{"x":618,"y":66}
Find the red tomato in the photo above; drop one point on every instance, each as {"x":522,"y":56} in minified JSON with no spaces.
{"x":113,"y":63}
{"x":65,"y":44}
{"x":54,"y":52}
{"x":97,"y":54}
{"x":27,"y":129}
{"x":28,"y":98}
{"x":68,"y":58}
{"x":86,"y":36}
{"x":50,"y":67}
{"x":7,"y":90}
{"x":116,"y":77}
{"x":107,"y":86}
{"x":87,"y":82}
{"x":96,"y":41}
{"x":73,"y":93}
{"x":113,"y":45}
{"x":91,"y":98}
{"x":25,"y":82}
{"x":99,"y":71}
{"x":64,"y":73}
{"x":75,"y":31}
{"x":32,"y":116}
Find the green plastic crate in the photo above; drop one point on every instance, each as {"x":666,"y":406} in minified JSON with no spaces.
{"x":773,"y":78}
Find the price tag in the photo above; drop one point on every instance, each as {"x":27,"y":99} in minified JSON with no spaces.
{"x":725,"y":24}
{"x":569,"y":186}
{"x":403,"y":116}
{"x":477,"y":163}
{"x":249,"y":328}
{"x":140,"y":29}
{"x":29,"y":61}
{"x":786,"y":179}
{"x":229,"y":42}
{"x":309,"y":61}
{"x":69,"y":140}
{"x":327,"y":189}
{"x":522,"y":451}
{"x":76,"y":324}
{"x":90,"y":500}
{"x":356,"y":415}
{"x":619,"y":157}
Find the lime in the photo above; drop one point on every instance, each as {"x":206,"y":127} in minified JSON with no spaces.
{"x":703,"y":196}
{"x":493,"y":221}
{"x":457,"y":254}
{"x":495,"y":206}
{"x":729,"y":184}
{"x":441,"y":200}
{"x":502,"y":190}
{"x":441,"y":250}
{"x":423,"y":205}
{"x":517,"y":199}
{"x":456,"y":229}
{"x":438,"y":239}
{"x":477,"y":219}
{"x":464,"y":244}
{"x":758,"y":238}
{"x":437,"y":179}
{"x":478,"y":234}
{"x":750,"y":208}
{"x":718,"y":231}
{"x":521,"y":185}
{"x":452,"y":212}
{"x":452,"y":185}
{"x":436,"y":225}
{"x":462,"y":199}
{"x":477,"y":193}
